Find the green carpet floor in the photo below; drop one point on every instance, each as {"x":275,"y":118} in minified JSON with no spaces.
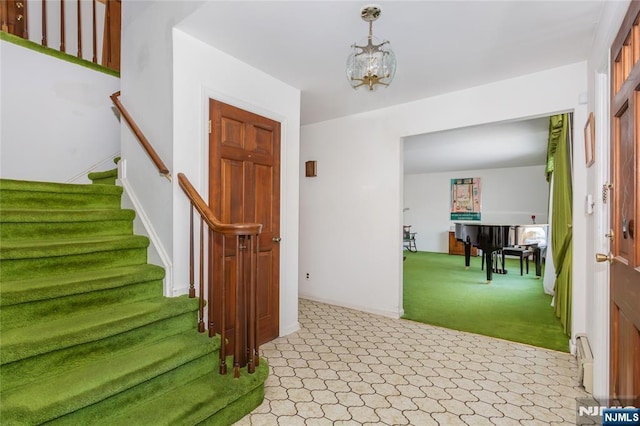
{"x":439,"y":291}
{"x":86,"y":335}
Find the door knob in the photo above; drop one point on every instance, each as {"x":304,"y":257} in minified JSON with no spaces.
{"x":601,"y":257}
{"x":276,"y":239}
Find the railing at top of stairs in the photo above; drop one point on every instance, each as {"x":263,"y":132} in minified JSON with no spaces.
{"x":231,"y":260}
{"x":54,"y":27}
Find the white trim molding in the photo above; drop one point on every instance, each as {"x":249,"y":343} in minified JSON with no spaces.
{"x":601,"y":332}
{"x":83,"y":176}
{"x":156,"y":246}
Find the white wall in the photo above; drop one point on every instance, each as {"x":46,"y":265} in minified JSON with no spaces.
{"x":202,"y":72}
{"x":351,"y":214}
{"x":57,"y":118}
{"x":72,"y":105}
{"x":147,"y":93}
{"x":167,"y":77}
{"x":509,"y":196}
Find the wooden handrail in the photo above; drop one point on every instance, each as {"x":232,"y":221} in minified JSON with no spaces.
{"x":162,"y":168}
{"x":207,"y":215}
{"x":242,"y":242}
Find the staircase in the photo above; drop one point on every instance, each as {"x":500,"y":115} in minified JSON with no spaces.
{"x":86,"y":336}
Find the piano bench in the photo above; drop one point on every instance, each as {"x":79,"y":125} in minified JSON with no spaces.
{"x":521,"y":252}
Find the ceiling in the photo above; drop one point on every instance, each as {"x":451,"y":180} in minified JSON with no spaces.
{"x":441,"y":46}
{"x":490,"y":146}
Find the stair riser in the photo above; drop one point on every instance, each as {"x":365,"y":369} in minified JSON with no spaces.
{"x":107,"y":177}
{"x":52,"y":287}
{"x":55,"y":200}
{"x":27,"y":370}
{"x":84,"y":341}
{"x":105,"y":181}
{"x":100,"y":399}
{"x":212,"y":399}
{"x":19,"y":315}
{"x":95,"y":414}
{"x":103,"y":324}
{"x":43,"y":266}
{"x":51,"y":231}
{"x":236,"y":410}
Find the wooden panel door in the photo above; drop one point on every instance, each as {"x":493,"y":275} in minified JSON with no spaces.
{"x":625,"y":213}
{"x":244,"y":187}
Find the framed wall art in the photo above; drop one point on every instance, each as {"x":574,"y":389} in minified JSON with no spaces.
{"x":465,"y":199}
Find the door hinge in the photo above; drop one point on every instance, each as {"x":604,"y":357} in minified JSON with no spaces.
{"x":209,"y":126}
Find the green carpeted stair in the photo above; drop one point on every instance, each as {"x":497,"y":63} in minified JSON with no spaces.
{"x":86,"y":335}
{"x":107,"y":177}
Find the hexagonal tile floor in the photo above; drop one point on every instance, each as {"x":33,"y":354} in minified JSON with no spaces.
{"x":353,"y":368}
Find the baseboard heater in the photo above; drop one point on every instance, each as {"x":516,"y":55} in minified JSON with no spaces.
{"x":585,"y":362}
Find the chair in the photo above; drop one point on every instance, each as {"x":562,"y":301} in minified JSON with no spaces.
{"x":522,"y":252}
{"x":409,"y":239}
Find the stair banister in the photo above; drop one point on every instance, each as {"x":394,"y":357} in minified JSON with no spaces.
{"x":13,"y":19}
{"x":79,"y":28}
{"x":63,"y":31}
{"x":207,"y":215}
{"x":44,"y":24}
{"x":146,"y":145}
{"x":245,"y":339}
{"x":94,"y":34}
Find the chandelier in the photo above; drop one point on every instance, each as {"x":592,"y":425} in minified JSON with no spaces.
{"x":372,"y":64}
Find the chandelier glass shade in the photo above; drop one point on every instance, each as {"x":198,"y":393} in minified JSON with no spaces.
{"x":373,"y":64}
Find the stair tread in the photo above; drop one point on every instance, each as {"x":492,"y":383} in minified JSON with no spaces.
{"x":19,"y":249}
{"x":192,"y":402}
{"x":103,"y":174}
{"x":84,"y":385}
{"x":51,"y":286}
{"x":37,"y":186}
{"x":41,"y":366}
{"x":17,"y":215}
{"x":37,"y":338}
{"x":85,"y":331}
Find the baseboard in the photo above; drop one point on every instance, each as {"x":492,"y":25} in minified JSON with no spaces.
{"x":382,"y":312}
{"x":156,"y":243}
{"x":290,"y":329}
{"x":572,"y":345}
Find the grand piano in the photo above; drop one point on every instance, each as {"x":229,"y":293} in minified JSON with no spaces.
{"x":490,"y":238}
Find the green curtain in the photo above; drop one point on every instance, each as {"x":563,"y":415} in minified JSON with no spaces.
{"x":555,"y":131}
{"x":559,"y":164}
